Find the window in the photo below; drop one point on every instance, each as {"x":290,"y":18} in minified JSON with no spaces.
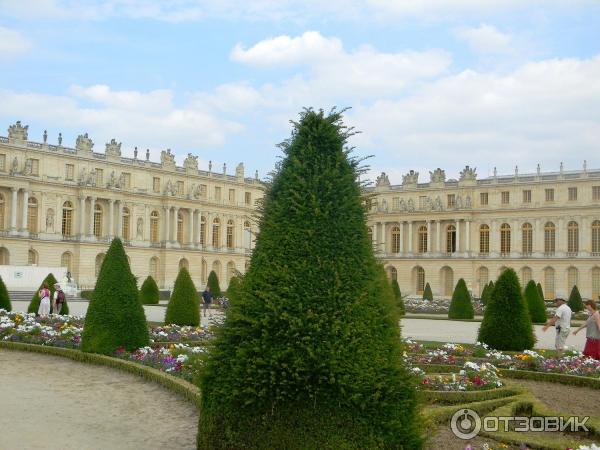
{"x":422,"y":233}
{"x":203,"y":190}
{"x":125,"y":223}
{"x":422,"y":201}
{"x":32,"y":215}
{"x":217,"y":193}
{"x":35,"y":167}
{"x":215,"y":233}
{"x":450,"y":239}
{"x":69,"y":172}
{"x":2,"y":212}
{"x":156,"y":184}
{"x":180,"y":227}
{"x":526,"y":276}
{"x":99,"y":177}
{"x":67,"y":219}
{"x":572,"y":194}
{"x":184,"y":264}
{"x":484,"y":277}
{"x":505,"y":197}
{"x":505,"y":239}
{"x":393,"y":273}
{"x":229,"y":237}
{"x":549,"y":282}
{"x":66,"y":260}
{"x":549,"y":239}
{"x":32,"y":257}
{"x":202,"y":236}
{"x":247,"y":235}
{"x":527,"y":239}
{"x":595,"y":283}
{"x":451,"y":200}
{"x":180,"y":188}
{"x":420,"y":287}
{"x":595,"y":192}
{"x":2,"y":163}
{"x":572,"y":278}
{"x":549,"y":195}
{"x":154,"y":218}
{"x":232,"y":195}
{"x":248,"y":198}
{"x":97,"y":220}
{"x":572,"y":238}
{"x":483,"y":198}
{"x":484,"y":239}
{"x":527,"y":196}
{"x":395,"y":240}
{"x":126,"y":180}
{"x":153,"y":269}
{"x":448,"y":277}
{"x":595,"y":237}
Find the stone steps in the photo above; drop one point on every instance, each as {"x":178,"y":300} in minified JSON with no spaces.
{"x":25,"y":296}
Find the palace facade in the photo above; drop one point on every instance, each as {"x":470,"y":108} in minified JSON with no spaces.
{"x":546,"y":226}
{"x":61,"y":206}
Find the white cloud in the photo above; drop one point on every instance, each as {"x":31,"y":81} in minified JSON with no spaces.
{"x":486,"y":39}
{"x":12,"y":43}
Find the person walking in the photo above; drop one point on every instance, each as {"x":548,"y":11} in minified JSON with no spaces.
{"x":206,"y":300}
{"x":44,"y":294}
{"x":58,"y":300}
{"x":592,"y":332}
{"x":562,"y":323}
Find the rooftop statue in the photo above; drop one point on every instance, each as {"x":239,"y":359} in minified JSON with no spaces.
{"x":438,"y":175}
{"x":382,"y":180}
{"x":468,"y":174}
{"x":167,"y":158}
{"x":113,"y":148}
{"x":191,"y":162}
{"x":411,"y":177}
{"x":18,"y":132}
{"x":84,"y":143}
{"x":239,"y":170}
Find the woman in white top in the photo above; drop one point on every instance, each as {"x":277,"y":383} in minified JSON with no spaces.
{"x":44,"y":294}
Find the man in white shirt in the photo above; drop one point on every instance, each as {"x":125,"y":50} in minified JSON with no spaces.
{"x":562,"y":322}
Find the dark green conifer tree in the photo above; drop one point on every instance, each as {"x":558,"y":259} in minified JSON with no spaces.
{"x":184,"y":305}
{"x":461,"y":306}
{"x":149,"y":293}
{"x":398,"y":297}
{"x":115,"y":317}
{"x":575,"y":302}
{"x":4,"y":298}
{"x":506,"y":322}
{"x":309,"y":356}
{"x":34,"y":305}
{"x":427,"y":294}
{"x":535,"y":304}
{"x":540,"y":291}
{"x":483,"y":297}
{"x":213,"y":284}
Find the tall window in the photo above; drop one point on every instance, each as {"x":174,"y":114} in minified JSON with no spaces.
{"x":97,"y":220}
{"x":505,"y":197}
{"x":216,"y":236}
{"x":395,"y":240}
{"x":32,"y":215}
{"x":125,"y":223}
{"x":572,"y":237}
{"x":527,"y":196}
{"x":69,"y":172}
{"x":422,"y":233}
{"x":156,"y":184}
{"x":572,"y":194}
{"x":180,"y":227}
{"x":67,"y":219}
{"x":229,"y":236}
{"x":549,"y":282}
{"x":35,"y":167}
{"x":32,"y":257}
{"x":154,"y":236}
{"x":572,"y":278}
{"x":202,"y":230}
{"x":153,"y":269}
{"x":99,"y":177}
{"x":2,"y":212}
{"x":451,"y":200}
{"x":217,"y":193}
{"x":248,"y":198}
{"x":450,"y":239}
{"x":393,"y":273}
{"x":595,"y":192}
{"x":66,"y":260}
{"x":527,"y":239}
{"x":99,"y":261}
{"x":525,"y":276}
{"x":483,"y":198}
{"x":484,"y":278}
{"x":595,"y":238}
{"x":484,"y":239}
{"x":232,"y":195}
{"x":595,"y":283}
{"x":370,"y":234}
{"x":420,"y":273}
{"x":505,"y":239}
{"x":549,"y":239}
{"x":549,"y":195}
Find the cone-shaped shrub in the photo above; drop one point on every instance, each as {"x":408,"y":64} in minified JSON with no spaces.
{"x":309,"y":355}
{"x":484,"y":293}
{"x":115,"y":317}
{"x":427,"y":294}
{"x":149,"y":293}
{"x":64,"y":310}
{"x":487,"y":293}
{"x":213,"y":284}
{"x":535,"y":304}
{"x":398,"y":297}
{"x":184,"y":305}
{"x":506,"y":322}
{"x":540,"y":291}
{"x":461,"y":306}
{"x":34,"y":305}
{"x":575,"y":302}
{"x":4,"y":298}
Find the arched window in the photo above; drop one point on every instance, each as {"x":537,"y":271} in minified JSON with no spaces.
{"x":505,"y":239}
{"x":420,"y":280}
{"x":527,"y":239}
{"x":596,"y":238}
{"x":32,"y":215}
{"x":395,"y":240}
{"x":2,"y":203}
{"x":153,"y":269}
{"x":66,"y":260}
{"x":216,"y":236}
{"x":154,"y":220}
{"x":99,"y":261}
{"x":549,"y":239}
{"x":450,"y":239}
{"x":231,"y":271}
{"x":595,"y":283}
{"x":549,"y":282}
{"x":229,"y":237}
{"x":4,"y":256}
{"x":67,"y":219}
{"x":484,"y":239}
{"x":32,"y":257}
{"x":216,"y":267}
{"x":202,"y":230}
{"x":572,"y":278}
{"x":526,"y":276}
{"x":97,"y":220}
{"x":180,"y":228}
{"x":393,"y":273}
{"x":422,"y":233}
{"x":247,"y":235}
{"x":184,"y":264}
{"x":125,"y":218}
{"x":204,"y":271}
{"x":448,"y":280}
{"x":483,"y":275}
{"x":572,"y":238}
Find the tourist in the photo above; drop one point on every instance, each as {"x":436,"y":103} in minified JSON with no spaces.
{"x":562,"y":323}
{"x":206,"y":300}
{"x":58,"y":300}
{"x":44,"y":295}
{"x":592,"y":332}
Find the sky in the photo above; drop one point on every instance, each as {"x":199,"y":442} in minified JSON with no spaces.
{"x":429,"y":83}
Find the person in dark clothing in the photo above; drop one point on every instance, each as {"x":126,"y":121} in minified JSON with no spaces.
{"x":206,"y":300}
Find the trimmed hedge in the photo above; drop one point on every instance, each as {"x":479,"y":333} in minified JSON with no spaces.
{"x":540,"y":290}
{"x":427,"y":294}
{"x":34,"y":305}
{"x":213,"y":284}
{"x":398,"y":298}
{"x":184,"y":306}
{"x":149,"y":294}
{"x":4,"y":298}
{"x":461,"y":306}
{"x":575,"y":302}
{"x":535,"y":304}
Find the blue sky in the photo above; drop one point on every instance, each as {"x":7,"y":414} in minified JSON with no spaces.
{"x":431,"y":83}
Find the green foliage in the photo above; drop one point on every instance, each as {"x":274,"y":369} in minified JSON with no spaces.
{"x":309,"y":355}
{"x":34,"y":305}
{"x":535,"y":304}
{"x":575,"y":302}
{"x":487,"y":293}
{"x":506,"y":322}
{"x":540,"y":290}
{"x":87,"y":294}
{"x":184,"y":305}
{"x":427,"y":294}
{"x":64,"y":310}
{"x":398,"y":298}
{"x":4,"y":298}
{"x":213,"y":284}
{"x":461,"y":306}
{"x":149,"y":294}
{"x":115,"y":317}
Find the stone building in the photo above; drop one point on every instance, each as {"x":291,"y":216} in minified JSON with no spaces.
{"x":61,"y":206}
{"x":546,"y":226}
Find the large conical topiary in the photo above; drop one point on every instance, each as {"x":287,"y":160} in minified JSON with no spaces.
{"x":4,"y":298}
{"x":184,"y":305}
{"x":506,"y":322}
{"x":535,"y":304}
{"x":149,"y":293}
{"x":115,"y":317}
{"x":309,"y":356}
{"x":540,"y":291}
{"x":575,"y":302}
{"x":34,"y":305}
{"x":398,"y":297}
{"x":213,"y":284}
{"x":487,"y":293}
{"x":427,"y":294}
{"x":461,"y":306}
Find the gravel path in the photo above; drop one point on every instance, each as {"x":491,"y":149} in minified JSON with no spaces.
{"x":50,"y":402}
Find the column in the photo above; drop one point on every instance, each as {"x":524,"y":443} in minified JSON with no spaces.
{"x":410,"y":237}
{"x":82,"y":215}
{"x":146,"y":235}
{"x":376,"y":236}
{"x":111,"y":218}
{"x":516,"y":237}
{"x":13,"y":209}
{"x":468,"y":237}
{"x":439,"y":236}
{"x":167,"y":220}
{"x":401,"y":237}
{"x":209,"y":230}
{"x":384,"y":237}
{"x":429,"y":232}
{"x":92,"y":206}
{"x":24,"y":210}
{"x":175,"y":224}
{"x":191,"y":227}
{"x":458,"y":236}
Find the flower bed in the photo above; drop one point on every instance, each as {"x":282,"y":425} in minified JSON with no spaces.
{"x":55,"y":330}
{"x":417,"y":305}
{"x":472,"y":377}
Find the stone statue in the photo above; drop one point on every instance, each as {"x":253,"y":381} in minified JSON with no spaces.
{"x":135,"y":153}
{"x":239,"y":170}
{"x":167,"y":158}
{"x":195,"y":192}
{"x":468,"y":202}
{"x":468,"y":174}
{"x":516,"y":171}
{"x":170,"y":189}
{"x":45,"y":136}
{"x":113,"y":148}
{"x":18,"y":132}
{"x":224,"y":168}
{"x":384,"y":206}
{"x":382,"y":180}
{"x":562,"y":167}
{"x":402,"y":205}
{"x":210,"y":166}
{"x":427,"y":204}
{"x":50,"y":220}
{"x":191,"y":162}
{"x":539,"y":170}
{"x":147,"y":154}
{"x":495,"y":172}
{"x":256,"y":174}
{"x":59,"y":139}
{"x":411,"y":177}
{"x":459,"y":203}
{"x":28,"y":167}
{"x":140,"y":228}
{"x":437,"y":205}
{"x":84,"y":143}
{"x":112,"y":180}
{"x":14,"y":168}
{"x":411,"y":205}
{"x":438,"y":176}
{"x":584,"y":166}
